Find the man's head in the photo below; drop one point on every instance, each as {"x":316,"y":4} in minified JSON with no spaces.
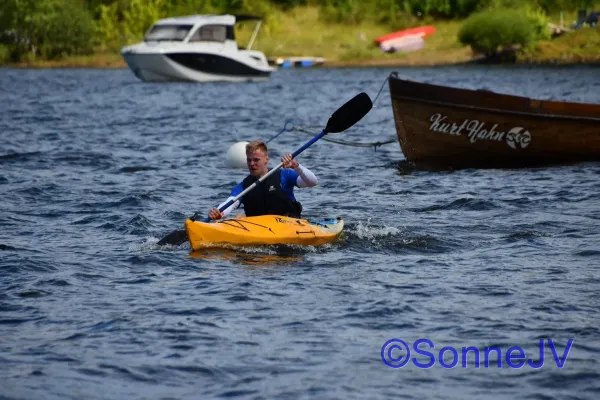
{"x":257,"y":158}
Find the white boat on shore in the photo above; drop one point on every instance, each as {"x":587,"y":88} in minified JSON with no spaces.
{"x":198,"y":48}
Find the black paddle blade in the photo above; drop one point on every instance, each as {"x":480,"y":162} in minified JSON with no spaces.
{"x":349,"y":114}
{"x":174,"y":238}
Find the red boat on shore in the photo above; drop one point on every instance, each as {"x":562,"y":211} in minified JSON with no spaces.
{"x":406,"y":40}
{"x":421,"y":32}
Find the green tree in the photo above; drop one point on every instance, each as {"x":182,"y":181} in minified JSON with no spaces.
{"x":46,"y":28}
{"x":139,"y":16}
{"x":108,"y":34}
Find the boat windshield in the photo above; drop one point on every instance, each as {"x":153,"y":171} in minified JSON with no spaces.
{"x":168,"y":32}
{"x":211,"y":33}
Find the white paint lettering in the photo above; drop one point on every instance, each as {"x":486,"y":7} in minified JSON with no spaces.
{"x":517,"y":137}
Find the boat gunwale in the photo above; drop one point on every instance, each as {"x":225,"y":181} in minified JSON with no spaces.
{"x":496,"y":110}
{"x":413,"y":87}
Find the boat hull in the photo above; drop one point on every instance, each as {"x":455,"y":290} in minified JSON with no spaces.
{"x":442,"y":127}
{"x":262,"y":230}
{"x":192,"y":67}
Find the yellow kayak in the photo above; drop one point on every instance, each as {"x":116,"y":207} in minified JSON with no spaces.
{"x":262,"y":230}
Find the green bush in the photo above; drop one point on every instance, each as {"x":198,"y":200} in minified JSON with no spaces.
{"x":356,"y":11}
{"x":535,"y":13}
{"x":443,"y":8}
{"x":491,"y":31}
{"x":338,"y":11}
{"x":5,"y":54}
{"x":539,"y":22}
{"x":553,"y":6}
{"x":288,"y":4}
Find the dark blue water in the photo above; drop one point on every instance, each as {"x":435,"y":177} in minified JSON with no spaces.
{"x":95,"y":167}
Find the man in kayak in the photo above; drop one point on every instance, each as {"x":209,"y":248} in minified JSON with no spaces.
{"x":275,"y":195}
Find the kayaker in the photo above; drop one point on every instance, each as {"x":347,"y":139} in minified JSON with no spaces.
{"x":275,"y":195}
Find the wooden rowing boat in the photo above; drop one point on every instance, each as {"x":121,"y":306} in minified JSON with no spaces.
{"x":451,"y":128}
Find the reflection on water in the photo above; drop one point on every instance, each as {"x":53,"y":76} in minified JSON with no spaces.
{"x":251,"y":256}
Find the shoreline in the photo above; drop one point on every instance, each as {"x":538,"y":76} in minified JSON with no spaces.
{"x":344,"y":46}
{"x":576,"y":48}
{"x":70,"y":63}
{"x":350,"y":49}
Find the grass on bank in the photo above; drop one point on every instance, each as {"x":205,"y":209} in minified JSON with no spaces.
{"x":300,"y":33}
{"x":582,"y":45}
{"x":97,"y":60}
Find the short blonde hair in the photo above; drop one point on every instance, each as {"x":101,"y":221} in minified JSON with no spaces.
{"x":255,"y":145}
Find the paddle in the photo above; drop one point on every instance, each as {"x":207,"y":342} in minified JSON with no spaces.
{"x":343,"y":118}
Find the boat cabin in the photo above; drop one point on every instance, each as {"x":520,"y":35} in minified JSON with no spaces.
{"x":205,"y":29}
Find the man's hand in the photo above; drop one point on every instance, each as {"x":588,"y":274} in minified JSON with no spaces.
{"x":289,"y":162}
{"x":214,"y":214}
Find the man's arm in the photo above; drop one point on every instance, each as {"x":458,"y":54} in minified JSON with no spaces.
{"x":214,"y":212}
{"x":305,"y":177}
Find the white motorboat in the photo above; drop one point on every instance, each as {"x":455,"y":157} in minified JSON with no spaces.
{"x":198,"y":48}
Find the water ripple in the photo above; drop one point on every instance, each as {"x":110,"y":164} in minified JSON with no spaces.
{"x":100,"y":167}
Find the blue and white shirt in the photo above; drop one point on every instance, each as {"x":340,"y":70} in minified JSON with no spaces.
{"x":300,"y":177}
